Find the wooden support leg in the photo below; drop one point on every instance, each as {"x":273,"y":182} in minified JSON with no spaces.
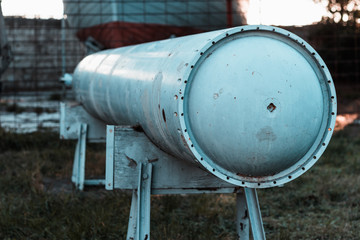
{"x":252,"y":202}
{"x":242,"y":217}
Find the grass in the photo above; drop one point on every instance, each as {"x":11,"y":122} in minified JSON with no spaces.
{"x":38,"y":202}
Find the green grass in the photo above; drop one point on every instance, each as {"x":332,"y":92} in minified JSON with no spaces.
{"x":38,"y":202}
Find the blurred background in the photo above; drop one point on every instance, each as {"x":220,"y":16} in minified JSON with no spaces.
{"x":41,"y":40}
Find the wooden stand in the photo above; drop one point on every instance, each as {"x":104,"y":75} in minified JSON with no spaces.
{"x":133,"y":162}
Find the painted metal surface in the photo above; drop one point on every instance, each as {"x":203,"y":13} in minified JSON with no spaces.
{"x":242,"y":217}
{"x":78,"y":171}
{"x":254,"y":105}
{"x":143,"y":201}
{"x":252,"y":202}
{"x":76,"y":123}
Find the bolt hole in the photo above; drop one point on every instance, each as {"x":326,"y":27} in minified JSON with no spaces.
{"x":313,"y":53}
{"x":258,"y":184}
{"x":274,"y":182}
{"x":332,"y":113}
{"x":213,"y":169}
{"x":201,"y":53}
{"x":192,"y":145}
{"x":185,"y":130}
{"x":227,"y":178}
{"x":242,"y":183}
{"x":185,"y":81}
{"x":213,"y":43}
{"x":182,"y":98}
{"x":314,"y":157}
{"x":271,"y":107}
{"x":329,"y":81}
{"x":303,"y":168}
{"x":192,"y":66}
{"x":227,"y":34}
{"x":289,"y":177}
{"x":332,"y":97}
{"x":201,"y":159}
{"x":182,"y":114}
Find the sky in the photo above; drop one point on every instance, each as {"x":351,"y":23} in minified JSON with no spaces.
{"x":268,"y":12}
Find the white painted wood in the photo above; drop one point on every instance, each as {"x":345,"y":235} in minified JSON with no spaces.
{"x":169,"y":173}
{"x":71,"y":115}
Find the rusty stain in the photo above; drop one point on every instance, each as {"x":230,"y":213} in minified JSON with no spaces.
{"x":184,"y":141}
{"x":153,"y":160}
{"x":68,"y":128}
{"x":207,"y":189}
{"x":132,"y":162}
{"x":260,"y":179}
{"x":271,"y":107}
{"x":110,"y":130}
{"x":208,"y":55}
{"x":266,"y":134}
{"x":216,"y":96}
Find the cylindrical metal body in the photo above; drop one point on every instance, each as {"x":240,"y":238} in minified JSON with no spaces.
{"x":254,"y":105}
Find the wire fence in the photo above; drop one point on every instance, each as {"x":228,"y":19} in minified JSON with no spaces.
{"x":44,"y":49}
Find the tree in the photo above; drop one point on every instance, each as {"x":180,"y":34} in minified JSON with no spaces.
{"x":345,"y":12}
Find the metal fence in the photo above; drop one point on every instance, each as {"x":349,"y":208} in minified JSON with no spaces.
{"x":44,"y":49}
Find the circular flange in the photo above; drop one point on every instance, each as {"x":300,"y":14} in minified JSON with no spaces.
{"x":277,"y":156}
